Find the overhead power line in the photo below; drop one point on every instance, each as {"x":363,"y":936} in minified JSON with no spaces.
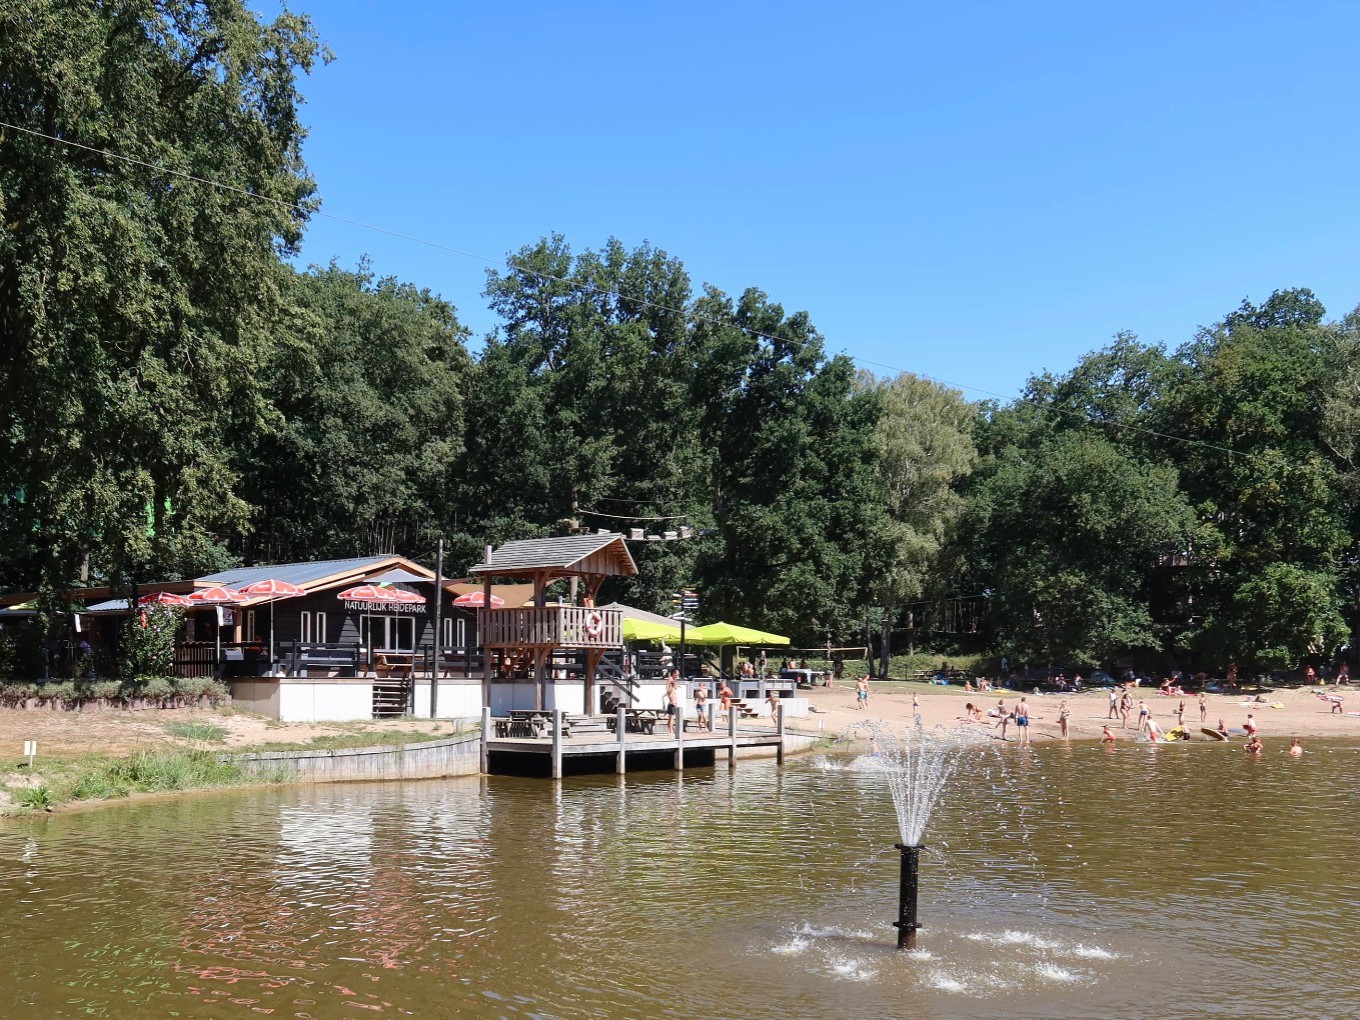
{"x":582,"y":286}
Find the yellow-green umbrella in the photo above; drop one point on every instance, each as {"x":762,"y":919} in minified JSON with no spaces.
{"x":731,"y":634}
{"x":646,"y":630}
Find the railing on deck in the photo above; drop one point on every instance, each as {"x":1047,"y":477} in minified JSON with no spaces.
{"x":551,"y":626}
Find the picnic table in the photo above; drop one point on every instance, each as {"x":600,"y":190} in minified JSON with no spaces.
{"x":394,"y":664}
{"x":529,"y":723}
{"x":637,"y":720}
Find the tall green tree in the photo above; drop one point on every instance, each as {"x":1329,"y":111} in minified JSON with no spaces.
{"x":359,"y":454}
{"x":925,"y":451}
{"x":797,"y":499}
{"x":135,"y":299}
{"x":1252,"y":397}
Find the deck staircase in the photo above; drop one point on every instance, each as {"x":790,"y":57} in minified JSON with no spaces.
{"x":390,"y":698}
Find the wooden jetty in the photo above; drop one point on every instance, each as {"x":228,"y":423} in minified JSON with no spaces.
{"x":620,"y":739}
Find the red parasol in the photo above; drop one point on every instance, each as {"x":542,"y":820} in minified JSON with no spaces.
{"x":476,"y":598}
{"x":217,"y":595}
{"x":163,"y":598}
{"x":273,"y":590}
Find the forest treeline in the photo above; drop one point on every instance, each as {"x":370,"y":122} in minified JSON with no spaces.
{"x":176,"y":397}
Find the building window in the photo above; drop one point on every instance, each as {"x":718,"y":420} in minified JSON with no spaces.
{"x":250,"y":625}
{"x":319,"y":628}
{"x":462,"y":633}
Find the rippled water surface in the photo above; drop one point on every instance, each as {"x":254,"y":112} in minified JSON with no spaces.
{"x":1072,"y":882}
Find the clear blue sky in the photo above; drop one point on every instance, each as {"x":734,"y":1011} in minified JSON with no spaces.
{"x":975,"y":191}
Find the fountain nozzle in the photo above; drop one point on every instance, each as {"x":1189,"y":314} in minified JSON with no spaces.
{"x":906,"y":923}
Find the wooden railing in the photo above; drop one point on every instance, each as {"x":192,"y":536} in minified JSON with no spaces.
{"x":551,"y":626}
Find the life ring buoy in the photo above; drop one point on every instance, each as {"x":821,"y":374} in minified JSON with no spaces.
{"x":594,"y":623}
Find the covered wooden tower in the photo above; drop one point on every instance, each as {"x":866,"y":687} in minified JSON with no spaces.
{"x":530,"y":634}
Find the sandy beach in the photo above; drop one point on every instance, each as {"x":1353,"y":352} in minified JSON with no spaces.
{"x":1303,"y":714}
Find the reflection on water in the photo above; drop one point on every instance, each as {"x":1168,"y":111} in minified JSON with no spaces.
{"x":1074,"y":882}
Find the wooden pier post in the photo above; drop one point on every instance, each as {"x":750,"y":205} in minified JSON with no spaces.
{"x":621,"y":766}
{"x":779,"y":728}
{"x":557,"y":743}
{"x":486,"y":741}
{"x":731,"y":736}
{"x":680,"y":737}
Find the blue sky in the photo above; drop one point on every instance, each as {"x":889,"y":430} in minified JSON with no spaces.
{"x":973,"y":191}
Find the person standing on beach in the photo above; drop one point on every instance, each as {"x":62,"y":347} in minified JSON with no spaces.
{"x":1063,"y":713}
{"x":1113,"y":713}
{"x":1250,"y":725}
{"x":862,"y":693}
{"x":1022,"y":722}
{"x":1203,"y":708}
{"x":1143,"y":716}
{"x":1125,"y":706}
{"x":1180,"y":713}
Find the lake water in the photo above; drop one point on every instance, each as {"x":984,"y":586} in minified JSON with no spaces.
{"x":1074,"y":882}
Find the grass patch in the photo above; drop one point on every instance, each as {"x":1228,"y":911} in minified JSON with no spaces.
{"x":355,"y":738}
{"x":153,"y":772}
{"x":206,"y":732}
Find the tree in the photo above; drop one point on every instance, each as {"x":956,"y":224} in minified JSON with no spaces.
{"x":796,"y":495}
{"x":1067,"y":534}
{"x":135,"y":298}
{"x":365,"y":385}
{"x":925,"y":449}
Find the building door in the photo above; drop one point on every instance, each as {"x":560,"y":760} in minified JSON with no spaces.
{"x":390,"y":633}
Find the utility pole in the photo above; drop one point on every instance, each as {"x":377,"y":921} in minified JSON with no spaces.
{"x":438,"y":636}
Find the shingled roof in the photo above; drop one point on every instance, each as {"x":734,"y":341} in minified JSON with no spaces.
{"x":571,"y":554}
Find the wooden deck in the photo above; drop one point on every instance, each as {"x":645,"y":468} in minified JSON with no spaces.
{"x":624,"y":742}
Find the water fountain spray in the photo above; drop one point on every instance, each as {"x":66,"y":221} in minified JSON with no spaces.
{"x":917,"y":764}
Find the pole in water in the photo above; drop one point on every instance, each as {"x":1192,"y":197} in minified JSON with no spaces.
{"x":906,"y":923}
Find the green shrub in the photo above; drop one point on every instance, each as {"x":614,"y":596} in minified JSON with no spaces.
{"x":148,"y":647}
{"x":35,"y":798}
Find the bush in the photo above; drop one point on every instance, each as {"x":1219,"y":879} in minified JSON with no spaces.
{"x":152,"y":688}
{"x":35,"y":798}
{"x":148,"y":647}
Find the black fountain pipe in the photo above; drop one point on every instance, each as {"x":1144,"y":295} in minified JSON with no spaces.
{"x":906,"y":923}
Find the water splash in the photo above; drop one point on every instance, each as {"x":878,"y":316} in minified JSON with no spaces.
{"x":917,"y":764}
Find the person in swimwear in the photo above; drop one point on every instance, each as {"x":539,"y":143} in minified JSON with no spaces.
{"x":1022,"y":722}
{"x":1295,"y":748}
{"x":1063,"y":714}
{"x":1106,"y":734}
{"x":1254,"y":746}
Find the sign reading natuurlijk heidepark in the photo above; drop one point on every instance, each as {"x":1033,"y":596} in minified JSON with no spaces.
{"x":385,"y":607}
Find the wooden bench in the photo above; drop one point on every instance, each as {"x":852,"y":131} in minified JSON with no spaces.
{"x":343,"y":658}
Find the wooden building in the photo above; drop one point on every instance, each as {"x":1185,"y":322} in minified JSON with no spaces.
{"x":521,"y":644}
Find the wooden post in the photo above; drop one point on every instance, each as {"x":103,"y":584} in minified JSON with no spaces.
{"x":732,"y":737}
{"x":486,"y":741}
{"x":557,"y":743}
{"x":680,"y":737}
{"x":620,"y":765}
{"x":779,"y":728}
{"x":711,"y":707}
{"x":438,"y":622}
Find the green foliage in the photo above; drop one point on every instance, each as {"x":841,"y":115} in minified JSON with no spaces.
{"x":148,"y":644}
{"x":208,"y":733}
{"x":35,"y":798}
{"x":152,"y":772}
{"x":134,"y":304}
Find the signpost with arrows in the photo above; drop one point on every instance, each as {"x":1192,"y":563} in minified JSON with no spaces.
{"x":684,"y":603}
